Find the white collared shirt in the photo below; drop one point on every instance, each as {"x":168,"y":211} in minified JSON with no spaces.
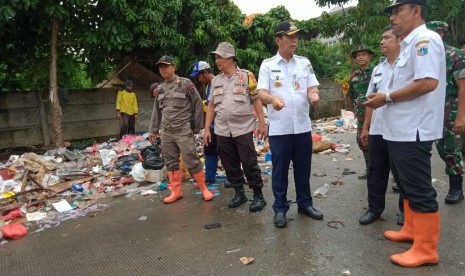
{"x":378,"y":84}
{"x":289,"y":80}
{"x":422,"y":55}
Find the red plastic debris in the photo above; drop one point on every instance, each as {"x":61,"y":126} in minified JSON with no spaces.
{"x":14,"y":214}
{"x":14,"y":231}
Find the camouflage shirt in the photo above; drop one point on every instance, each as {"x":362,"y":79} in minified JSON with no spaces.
{"x":358,"y":90}
{"x":455,"y":62}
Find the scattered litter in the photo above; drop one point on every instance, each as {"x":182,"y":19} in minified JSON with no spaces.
{"x":348,"y":172}
{"x":321,"y":192}
{"x":14,"y":230}
{"x":334,"y":223}
{"x":36,"y":216}
{"x":337,"y":182}
{"x":142,"y":218}
{"x":212,"y":226}
{"x":319,"y":174}
{"x":349,"y":159}
{"x":346,"y":273}
{"x":247,"y":260}
{"x":232,"y":251}
{"x":62,"y":206}
{"x":148,"y":192}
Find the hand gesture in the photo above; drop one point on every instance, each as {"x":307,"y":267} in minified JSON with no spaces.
{"x":278,"y":103}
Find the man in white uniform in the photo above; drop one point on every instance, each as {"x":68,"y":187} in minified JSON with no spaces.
{"x":372,"y":131}
{"x":413,"y":120}
{"x":287,"y":84}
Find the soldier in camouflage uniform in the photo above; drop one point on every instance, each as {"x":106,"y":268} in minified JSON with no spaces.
{"x":176,"y":102}
{"x":450,"y":146}
{"x":358,"y":88}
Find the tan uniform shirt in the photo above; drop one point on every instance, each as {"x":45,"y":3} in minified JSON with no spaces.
{"x":232,"y":97}
{"x":176,"y":103}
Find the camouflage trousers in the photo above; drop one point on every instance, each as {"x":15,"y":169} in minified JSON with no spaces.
{"x":450,"y":149}
{"x":360,"y":116}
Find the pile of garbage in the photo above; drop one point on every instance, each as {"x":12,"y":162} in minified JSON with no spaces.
{"x":66,"y":183}
{"x":322,"y":144}
{"x":40,"y":191}
{"x":342,"y":124}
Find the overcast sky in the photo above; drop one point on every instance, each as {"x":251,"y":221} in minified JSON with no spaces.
{"x":299,"y":9}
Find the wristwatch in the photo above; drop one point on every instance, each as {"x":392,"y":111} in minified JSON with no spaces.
{"x":388,"y":98}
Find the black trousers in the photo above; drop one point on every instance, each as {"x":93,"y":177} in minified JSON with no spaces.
{"x":378,"y":174}
{"x":411,"y":165}
{"x":212,"y":148}
{"x":233,"y":152}
{"x":284,"y":149}
{"x":128,"y":123}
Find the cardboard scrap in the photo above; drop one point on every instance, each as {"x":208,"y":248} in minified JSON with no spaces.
{"x":247,"y":260}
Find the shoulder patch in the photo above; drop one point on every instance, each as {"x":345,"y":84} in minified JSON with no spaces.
{"x":191,"y":88}
{"x":422,"y":50}
{"x":419,"y":43}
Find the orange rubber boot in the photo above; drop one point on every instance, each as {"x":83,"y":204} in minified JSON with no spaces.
{"x":200,"y":179}
{"x":406,"y":232}
{"x":425,"y":244}
{"x":176,"y":187}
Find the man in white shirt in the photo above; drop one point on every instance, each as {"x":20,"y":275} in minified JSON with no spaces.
{"x":372,"y":131}
{"x":287,"y":84}
{"x":413,"y":120}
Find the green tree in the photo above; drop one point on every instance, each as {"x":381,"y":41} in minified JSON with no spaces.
{"x":452,"y":12}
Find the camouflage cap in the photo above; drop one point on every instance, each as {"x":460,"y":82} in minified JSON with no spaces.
{"x":362,"y":48}
{"x":437,"y":26}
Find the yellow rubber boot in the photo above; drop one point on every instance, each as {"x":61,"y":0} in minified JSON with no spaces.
{"x":406,"y":232}
{"x":176,"y":187}
{"x":200,"y":179}
{"x":425,"y":244}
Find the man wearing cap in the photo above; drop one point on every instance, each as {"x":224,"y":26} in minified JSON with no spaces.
{"x":204,"y":74}
{"x":413,"y":119}
{"x":127,"y":109}
{"x":288,"y":85}
{"x":233,"y":91}
{"x":176,"y":102}
{"x":372,"y":132}
{"x":450,"y":146}
{"x":357,"y":91}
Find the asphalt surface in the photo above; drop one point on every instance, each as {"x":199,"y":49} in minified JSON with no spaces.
{"x":173,"y":239}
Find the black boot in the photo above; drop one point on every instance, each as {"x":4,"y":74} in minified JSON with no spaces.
{"x":367,"y":165}
{"x":239,"y":198}
{"x":455,"y":194}
{"x":258,"y":201}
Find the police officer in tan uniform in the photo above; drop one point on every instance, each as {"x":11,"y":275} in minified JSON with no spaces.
{"x":233,"y":91}
{"x":175,"y":103}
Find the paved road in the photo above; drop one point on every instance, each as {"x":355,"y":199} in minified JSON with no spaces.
{"x":173,"y":240}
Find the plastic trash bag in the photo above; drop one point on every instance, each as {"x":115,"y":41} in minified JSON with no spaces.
{"x":152,"y":158}
{"x":14,"y":231}
{"x":138,"y":172}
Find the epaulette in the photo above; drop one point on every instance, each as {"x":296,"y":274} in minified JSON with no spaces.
{"x":299,"y":57}
{"x":269,"y":59}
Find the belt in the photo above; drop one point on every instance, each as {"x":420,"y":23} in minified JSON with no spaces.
{"x":176,"y":128}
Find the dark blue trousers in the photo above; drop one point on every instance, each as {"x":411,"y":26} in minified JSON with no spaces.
{"x":284,"y":149}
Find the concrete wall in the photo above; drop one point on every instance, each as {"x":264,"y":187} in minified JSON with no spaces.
{"x":25,"y":117}
{"x":331,"y":100}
